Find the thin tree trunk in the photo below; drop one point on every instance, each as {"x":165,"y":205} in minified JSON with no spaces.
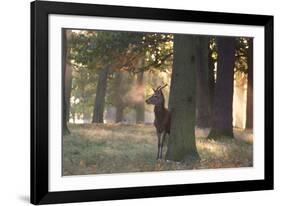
{"x":140,"y":104}
{"x":119,"y":92}
{"x":181,"y":145}
{"x":68,"y":84}
{"x":119,"y":113}
{"x":203,"y":99}
{"x":65,"y":101}
{"x":73,"y":117}
{"x":85,"y":116}
{"x":100,"y":96}
{"x":83,"y":77}
{"x":223,"y":97}
{"x":249,"y":117}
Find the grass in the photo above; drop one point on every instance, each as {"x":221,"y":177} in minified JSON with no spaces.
{"x":117,"y":148}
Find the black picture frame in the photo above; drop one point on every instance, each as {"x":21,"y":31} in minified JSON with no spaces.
{"x":40,"y":108}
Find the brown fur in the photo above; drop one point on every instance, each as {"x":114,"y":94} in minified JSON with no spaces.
{"x":162,"y":120}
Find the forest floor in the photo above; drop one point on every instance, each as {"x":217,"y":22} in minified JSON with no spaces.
{"x":117,"y":148}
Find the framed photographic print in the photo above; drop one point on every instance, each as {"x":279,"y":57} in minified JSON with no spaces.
{"x":133,"y":102}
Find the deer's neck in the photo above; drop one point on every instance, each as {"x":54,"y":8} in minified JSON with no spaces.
{"x":159,"y":111}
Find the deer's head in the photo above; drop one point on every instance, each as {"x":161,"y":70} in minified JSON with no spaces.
{"x":157,"y":98}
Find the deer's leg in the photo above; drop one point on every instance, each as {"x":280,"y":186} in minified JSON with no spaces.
{"x":159,"y":139}
{"x":163,"y":135}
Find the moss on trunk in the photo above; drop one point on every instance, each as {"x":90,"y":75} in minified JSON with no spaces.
{"x":181,"y":145}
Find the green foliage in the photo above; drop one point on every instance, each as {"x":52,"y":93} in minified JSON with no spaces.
{"x":91,"y":50}
{"x":158,"y":51}
{"x":242,"y":46}
{"x":83,"y":88}
{"x":241,"y":66}
{"x":213,"y":49}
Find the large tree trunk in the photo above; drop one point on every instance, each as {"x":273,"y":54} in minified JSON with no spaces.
{"x":203,"y":96}
{"x":140,"y":104}
{"x":249,"y":117}
{"x":211,"y":79}
{"x":223,"y":97}
{"x":100,"y":96}
{"x":65,"y":100}
{"x":181,"y":145}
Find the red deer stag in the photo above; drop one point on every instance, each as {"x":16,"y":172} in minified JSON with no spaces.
{"x":162,"y":117}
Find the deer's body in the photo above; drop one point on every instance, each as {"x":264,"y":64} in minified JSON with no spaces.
{"x":162,"y":120}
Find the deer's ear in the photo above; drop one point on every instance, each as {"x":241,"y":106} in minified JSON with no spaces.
{"x":154,"y":90}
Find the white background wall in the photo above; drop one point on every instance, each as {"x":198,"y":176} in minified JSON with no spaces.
{"x":14,"y":102}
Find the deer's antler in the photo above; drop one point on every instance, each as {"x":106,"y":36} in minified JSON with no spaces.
{"x":158,"y":88}
{"x":162,"y":87}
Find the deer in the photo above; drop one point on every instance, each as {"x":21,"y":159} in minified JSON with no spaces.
{"x":162,"y":120}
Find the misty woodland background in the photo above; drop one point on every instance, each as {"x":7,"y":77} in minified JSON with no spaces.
{"x":107,"y":126}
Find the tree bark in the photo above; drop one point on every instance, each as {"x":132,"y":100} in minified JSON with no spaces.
{"x":119,"y":93}
{"x":65,"y":98}
{"x":249,"y":115}
{"x":203,"y":96}
{"x":223,"y":97}
{"x":140,"y":104}
{"x":83,"y":99}
{"x":100,"y":96}
{"x":211,"y":80}
{"x":181,"y":145}
{"x":119,"y":113}
{"x":68,"y":84}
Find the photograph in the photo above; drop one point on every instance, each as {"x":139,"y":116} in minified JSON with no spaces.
{"x":149,"y":101}
{"x":133,"y":102}
{"x":123,"y":102}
